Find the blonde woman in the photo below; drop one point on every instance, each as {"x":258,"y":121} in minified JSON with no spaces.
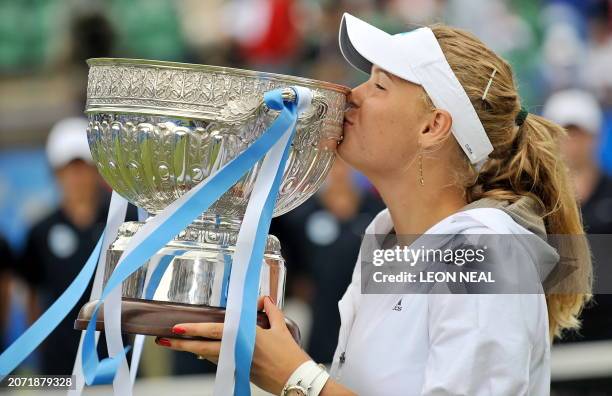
{"x":440,"y":131}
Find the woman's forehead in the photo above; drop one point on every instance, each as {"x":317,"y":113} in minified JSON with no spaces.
{"x":395,"y":79}
{"x":376,"y":70}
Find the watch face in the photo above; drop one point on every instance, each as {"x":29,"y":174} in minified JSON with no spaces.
{"x":296,"y":390}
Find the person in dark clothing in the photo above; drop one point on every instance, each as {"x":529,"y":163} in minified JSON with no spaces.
{"x":597,"y":207}
{"x":58,"y":246}
{"x":55,"y":253}
{"x":597,"y":219}
{"x":320,"y":241}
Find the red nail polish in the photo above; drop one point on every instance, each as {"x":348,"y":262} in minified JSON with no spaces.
{"x":163,"y":342}
{"x":178,"y":330}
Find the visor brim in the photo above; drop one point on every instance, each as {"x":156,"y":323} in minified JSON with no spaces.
{"x":364,"y":45}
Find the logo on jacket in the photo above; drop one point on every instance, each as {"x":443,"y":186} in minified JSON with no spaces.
{"x":398,"y":306}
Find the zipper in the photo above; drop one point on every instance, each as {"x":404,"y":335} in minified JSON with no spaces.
{"x":349,"y":311}
{"x":342,"y":357}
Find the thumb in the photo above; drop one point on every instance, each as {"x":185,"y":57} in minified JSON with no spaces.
{"x":275,"y":315}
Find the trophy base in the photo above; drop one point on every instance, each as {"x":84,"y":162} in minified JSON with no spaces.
{"x":155,"y":318}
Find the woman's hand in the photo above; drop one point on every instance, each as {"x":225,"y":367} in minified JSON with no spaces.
{"x":276,"y":353}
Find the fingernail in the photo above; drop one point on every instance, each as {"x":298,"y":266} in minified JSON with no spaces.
{"x":271,"y":300}
{"x":178,"y":330}
{"x":162,"y":341}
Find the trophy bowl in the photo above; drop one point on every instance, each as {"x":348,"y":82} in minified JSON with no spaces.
{"x":157,"y":129}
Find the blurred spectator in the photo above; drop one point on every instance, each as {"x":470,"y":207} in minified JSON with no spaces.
{"x":579,"y":112}
{"x":320,"y":240}
{"x":6,"y":264}
{"x":92,"y":37}
{"x":266,"y":32}
{"x":59,"y":245}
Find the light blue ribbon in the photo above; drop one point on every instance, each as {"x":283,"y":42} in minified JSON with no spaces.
{"x":97,"y":371}
{"x":245,"y":339}
{"x":36,"y":334}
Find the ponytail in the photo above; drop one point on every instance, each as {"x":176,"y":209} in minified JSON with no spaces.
{"x":535,"y":170}
{"x":525,"y":162}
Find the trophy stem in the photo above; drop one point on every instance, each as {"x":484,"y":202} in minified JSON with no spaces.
{"x":201,"y":257}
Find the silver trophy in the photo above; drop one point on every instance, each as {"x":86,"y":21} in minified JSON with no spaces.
{"x":157,"y":129}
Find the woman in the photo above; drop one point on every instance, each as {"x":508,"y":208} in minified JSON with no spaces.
{"x":499,"y":174}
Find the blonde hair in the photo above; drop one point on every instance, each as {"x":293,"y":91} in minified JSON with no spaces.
{"x":525,"y":162}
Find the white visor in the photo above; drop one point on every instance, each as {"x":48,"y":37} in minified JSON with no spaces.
{"x":417,"y":57}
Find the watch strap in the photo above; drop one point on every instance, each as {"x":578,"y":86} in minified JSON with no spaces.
{"x":308,"y":377}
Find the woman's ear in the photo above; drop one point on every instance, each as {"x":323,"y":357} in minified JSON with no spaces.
{"x":437,"y":129}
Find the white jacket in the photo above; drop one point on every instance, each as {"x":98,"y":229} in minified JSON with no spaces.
{"x":444,"y":344}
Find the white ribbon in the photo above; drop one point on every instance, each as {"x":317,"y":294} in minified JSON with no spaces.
{"x":139,"y":340}
{"x":116,"y":216}
{"x":224,"y":381}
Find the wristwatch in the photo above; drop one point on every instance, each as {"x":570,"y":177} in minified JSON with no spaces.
{"x":295,"y":390}
{"x":307,"y":380}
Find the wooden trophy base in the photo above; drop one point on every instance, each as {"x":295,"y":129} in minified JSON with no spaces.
{"x":156,"y":318}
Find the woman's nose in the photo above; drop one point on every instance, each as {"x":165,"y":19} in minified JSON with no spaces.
{"x":354,"y":97}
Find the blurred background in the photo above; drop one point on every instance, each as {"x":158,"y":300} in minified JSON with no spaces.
{"x":53,"y":203}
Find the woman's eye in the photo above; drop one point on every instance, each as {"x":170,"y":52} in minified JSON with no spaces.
{"x":380,"y":87}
